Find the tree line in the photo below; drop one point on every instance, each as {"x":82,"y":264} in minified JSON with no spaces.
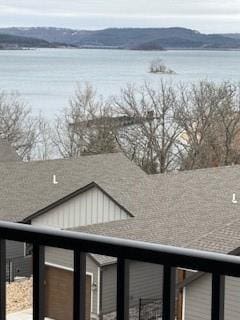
{"x":161,"y":128}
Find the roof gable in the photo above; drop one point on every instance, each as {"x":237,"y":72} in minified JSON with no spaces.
{"x":87,"y":205}
{"x":71,"y":196}
{"x":28,"y":188}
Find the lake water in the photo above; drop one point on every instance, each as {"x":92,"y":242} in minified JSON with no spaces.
{"x":46,"y":78}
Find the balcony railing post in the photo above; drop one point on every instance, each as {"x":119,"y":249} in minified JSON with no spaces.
{"x":2,"y":279}
{"x":122,"y":289}
{"x":38,"y":282}
{"x":218,"y":296}
{"x":169,"y":293}
{"x":79,"y":286}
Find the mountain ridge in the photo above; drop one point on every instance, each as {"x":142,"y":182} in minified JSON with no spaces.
{"x":129,"y":38}
{"x":9,"y":41}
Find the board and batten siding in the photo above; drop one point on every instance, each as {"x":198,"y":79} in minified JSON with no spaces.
{"x":17,"y":264}
{"x":198,"y":299}
{"x":64,"y":259}
{"x":145,"y":283}
{"x":14,"y":249}
{"x":91,"y":207}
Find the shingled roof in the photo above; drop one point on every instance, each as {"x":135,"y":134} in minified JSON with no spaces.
{"x":191,"y":209}
{"x":27,"y":187}
{"x":7,"y":152}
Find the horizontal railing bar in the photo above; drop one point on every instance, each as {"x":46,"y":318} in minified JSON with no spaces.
{"x":122,"y":248}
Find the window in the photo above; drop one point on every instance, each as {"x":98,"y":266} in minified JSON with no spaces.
{"x":28,"y":249}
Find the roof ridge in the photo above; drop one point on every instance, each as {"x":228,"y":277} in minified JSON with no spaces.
{"x":193,"y":171}
{"x":214,"y":231}
{"x":80,"y":158}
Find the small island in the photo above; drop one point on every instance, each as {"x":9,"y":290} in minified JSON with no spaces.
{"x":158,"y":66}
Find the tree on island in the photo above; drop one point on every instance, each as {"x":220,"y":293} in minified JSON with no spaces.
{"x":158,"y":66}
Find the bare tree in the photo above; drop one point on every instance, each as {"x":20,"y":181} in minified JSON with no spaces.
{"x":17,"y":125}
{"x":151,"y":140}
{"x":44,"y":148}
{"x":209,"y":115}
{"x":85,"y":127}
{"x":161,"y":128}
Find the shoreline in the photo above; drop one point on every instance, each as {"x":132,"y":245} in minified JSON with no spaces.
{"x":120,"y":49}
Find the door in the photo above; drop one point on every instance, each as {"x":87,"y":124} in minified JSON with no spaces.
{"x":59,"y":294}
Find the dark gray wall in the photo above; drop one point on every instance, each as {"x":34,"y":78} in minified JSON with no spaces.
{"x":145,"y":283}
{"x":22,"y":267}
{"x":17,"y":265}
{"x":14,"y":249}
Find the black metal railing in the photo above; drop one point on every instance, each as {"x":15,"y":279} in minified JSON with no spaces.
{"x":150,"y":309}
{"x":218,"y":265}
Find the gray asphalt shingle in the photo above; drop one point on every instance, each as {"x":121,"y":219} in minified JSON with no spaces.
{"x":27,"y":187}
{"x":191,"y":209}
{"x":7,"y":152}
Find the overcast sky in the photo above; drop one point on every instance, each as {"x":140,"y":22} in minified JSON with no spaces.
{"x":204,"y":15}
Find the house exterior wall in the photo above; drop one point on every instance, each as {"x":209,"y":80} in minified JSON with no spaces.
{"x":198,"y":299}
{"x":64,"y":258}
{"x":90,"y":207}
{"x":14,"y":249}
{"x":145,"y":283}
{"x":22,"y":267}
{"x":17,"y":264}
{"x":145,"y":279}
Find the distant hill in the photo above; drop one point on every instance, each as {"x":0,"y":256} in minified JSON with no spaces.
{"x":16,"y":42}
{"x":55,"y":35}
{"x":232,"y":35}
{"x":130,"y":38}
{"x":154,"y":45}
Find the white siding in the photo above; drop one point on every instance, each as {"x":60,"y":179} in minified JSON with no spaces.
{"x":90,"y":207}
{"x":232,"y":298}
{"x":198,"y":299}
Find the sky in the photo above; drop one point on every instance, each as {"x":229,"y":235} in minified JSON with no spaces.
{"x":209,"y":16}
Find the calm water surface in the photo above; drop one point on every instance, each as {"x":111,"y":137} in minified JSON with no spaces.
{"x":46,"y":78}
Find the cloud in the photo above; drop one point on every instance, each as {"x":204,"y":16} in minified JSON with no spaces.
{"x":205,"y":15}
{"x":123,"y":7}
